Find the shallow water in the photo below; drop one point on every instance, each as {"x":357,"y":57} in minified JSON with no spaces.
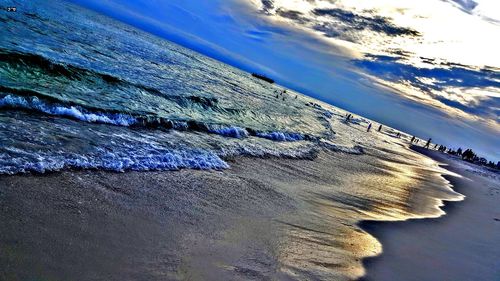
{"x":134,"y":102}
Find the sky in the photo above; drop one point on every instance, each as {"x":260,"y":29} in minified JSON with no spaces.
{"x":428,"y":67}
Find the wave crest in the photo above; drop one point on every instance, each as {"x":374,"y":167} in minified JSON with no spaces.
{"x":281,"y":136}
{"x":113,"y":161}
{"x":75,"y":112}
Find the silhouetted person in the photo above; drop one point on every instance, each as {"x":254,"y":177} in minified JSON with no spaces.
{"x":468,"y":155}
{"x":379,"y":128}
{"x":428,"y":143}
{"x":296,"y":96}
{"x":369,"y":127}
{"x":412,"y":139}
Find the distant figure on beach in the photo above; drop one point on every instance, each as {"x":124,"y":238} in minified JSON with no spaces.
{"x":412,"y":139}
{"x":436,"y":146}
{"x":296,"y":96}
{"x":348,"y":117}
{"x":468,"y":155}
{"x":428,"y":143}
{"x":379,"y":128}
{"x":369,"y":127}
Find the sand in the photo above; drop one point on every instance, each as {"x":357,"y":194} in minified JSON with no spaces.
{"x":262,"y":219}
{"x":462,"y":245}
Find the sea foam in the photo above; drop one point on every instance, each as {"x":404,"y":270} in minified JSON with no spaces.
{"x":113,"y":161}
{"x":281,"y":136}
{"x":76,"y":112}
{"x":234,"y":132}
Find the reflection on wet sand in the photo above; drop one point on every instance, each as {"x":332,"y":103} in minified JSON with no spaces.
{"x":326,"y":241}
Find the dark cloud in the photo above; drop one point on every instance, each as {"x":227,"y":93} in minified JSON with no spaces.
{"x":340,"y":23}
{"x":267,"y":6}
{"x":334,"y":31}
{"x":293,"y":15}
{"x":352,"y":21}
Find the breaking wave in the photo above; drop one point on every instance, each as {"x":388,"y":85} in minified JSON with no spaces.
{"x":281,"y":136}
{"x":118,"y":161}
{"x":76,"y":112}
{"x":80,"y":113}
{"x":234,"y":132}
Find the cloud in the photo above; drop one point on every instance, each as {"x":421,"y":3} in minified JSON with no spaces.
{"x":352,"y":21}
{"x":338,"y":23}
{"x":488,"y":10}
{"x":392,"y":68}
{"x":466,"y":5}
{"x":293,"y":15}
{"x":267,"y":5}
{"x":449,"y":83}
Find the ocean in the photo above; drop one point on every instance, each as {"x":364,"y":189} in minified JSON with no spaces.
{"x":256,"y":183}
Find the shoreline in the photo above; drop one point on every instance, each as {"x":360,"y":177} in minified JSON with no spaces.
{"x":204,"y":225}
{"x":410,"y":259}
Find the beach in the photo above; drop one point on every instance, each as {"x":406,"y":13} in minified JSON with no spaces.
{"x":175,"y":166}
{"x":264,"y":218}
{"x":461,"y":245}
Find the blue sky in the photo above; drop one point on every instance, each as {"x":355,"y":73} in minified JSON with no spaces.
{"x":428,"y":67}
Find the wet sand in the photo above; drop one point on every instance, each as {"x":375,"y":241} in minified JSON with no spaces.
{"x":261,"y":219}
{"x":462,"y":245}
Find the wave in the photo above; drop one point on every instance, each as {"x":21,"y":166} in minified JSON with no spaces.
{"x":281,"y":136}
{"x":328,"y":114}
{"x":127,"y":160}
{"x":19,"y":64}
{"x":130,"y":120}
{"x":234,"y":132}
{"x":76,"y":112}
